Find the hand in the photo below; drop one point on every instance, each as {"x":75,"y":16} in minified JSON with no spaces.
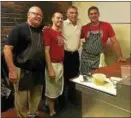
{"x":51,"y":73}
{"x":46,"y":27}
{"x":121,"y":59}
{"x":13,"y":76}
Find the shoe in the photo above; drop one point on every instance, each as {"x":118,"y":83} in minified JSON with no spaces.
{"x":53,"y":116}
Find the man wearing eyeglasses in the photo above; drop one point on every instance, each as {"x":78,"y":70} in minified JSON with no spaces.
{"x":24,"y":55}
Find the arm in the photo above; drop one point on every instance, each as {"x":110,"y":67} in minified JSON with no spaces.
{"x":81,"y":39}
{"x":47,"y":39}
{"x":9,"y":61}
{"x":48,"y":61}
{"x":82,"y":36}
{"x":115,"y":43}
{"x":117,"y":49}
{"x":47,"y":27}
{"x":11,"y":42}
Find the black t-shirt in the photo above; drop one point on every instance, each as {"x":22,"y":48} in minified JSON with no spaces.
{"x":19,"y":37}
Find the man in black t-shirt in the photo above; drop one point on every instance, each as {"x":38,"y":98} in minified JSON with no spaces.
{"x":24,"y":55}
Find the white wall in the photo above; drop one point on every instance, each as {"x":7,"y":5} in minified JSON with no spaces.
{"x":122,"y":30}
{"x":114,"y":12}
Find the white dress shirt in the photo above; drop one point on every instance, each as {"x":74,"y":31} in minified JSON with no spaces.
{"x":71,"y":35}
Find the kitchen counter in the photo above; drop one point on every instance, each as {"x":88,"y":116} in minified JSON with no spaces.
{"x":96,"y":103}
{"x":113,"y":69}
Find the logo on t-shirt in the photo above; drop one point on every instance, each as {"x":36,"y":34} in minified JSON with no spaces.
{"x":95,"y":33}
{"x":60,"y":40}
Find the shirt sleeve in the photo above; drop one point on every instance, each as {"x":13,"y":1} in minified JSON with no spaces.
{"x":111,"y":32}
{"x":13,"y":37}
{"x":47,"y":37}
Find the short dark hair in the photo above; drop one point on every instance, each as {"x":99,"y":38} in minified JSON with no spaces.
{"x":93,"y":8}
{"x":73,"y":7}
{"x":55,"y":13}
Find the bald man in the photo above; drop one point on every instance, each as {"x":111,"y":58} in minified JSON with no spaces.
{"x":24,"y":55}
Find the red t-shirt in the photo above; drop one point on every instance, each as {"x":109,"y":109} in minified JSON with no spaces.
{"x":106,"y":31}
{"x":53,"y":39}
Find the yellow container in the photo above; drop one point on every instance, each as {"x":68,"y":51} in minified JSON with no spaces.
{"x":99,"y":78}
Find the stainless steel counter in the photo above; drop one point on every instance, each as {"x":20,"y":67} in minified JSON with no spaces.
{"x":96,"y":103}
{"x":100,"y":104}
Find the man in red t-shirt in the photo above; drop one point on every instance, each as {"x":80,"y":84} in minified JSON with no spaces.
{"x":54,"y":53}
{"x":96,"y":34}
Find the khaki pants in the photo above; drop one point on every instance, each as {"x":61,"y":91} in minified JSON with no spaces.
{"x":27,"y":101}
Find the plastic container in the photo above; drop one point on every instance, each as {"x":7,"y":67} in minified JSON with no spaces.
{"x":99,"y":78}
{"x":125,"y":71}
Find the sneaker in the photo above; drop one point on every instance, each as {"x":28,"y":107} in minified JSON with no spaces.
{"x":53,"y":116}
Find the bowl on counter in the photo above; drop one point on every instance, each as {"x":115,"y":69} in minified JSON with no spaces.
{"x":99,"y":78}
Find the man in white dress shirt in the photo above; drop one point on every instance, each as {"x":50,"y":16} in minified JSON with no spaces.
{"x":71,"y":33}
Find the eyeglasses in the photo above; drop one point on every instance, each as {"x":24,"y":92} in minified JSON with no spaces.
{"x":37,"y":14}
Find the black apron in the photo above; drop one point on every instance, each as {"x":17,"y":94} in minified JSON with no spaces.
{"x":92,"y":48}
{"x":33,"y":58}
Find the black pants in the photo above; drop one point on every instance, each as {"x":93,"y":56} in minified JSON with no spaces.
{"x":71,"y":65}
{"x":71,"y":70}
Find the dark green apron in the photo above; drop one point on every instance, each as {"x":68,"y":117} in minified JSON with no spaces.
{"x":92,"y":48}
